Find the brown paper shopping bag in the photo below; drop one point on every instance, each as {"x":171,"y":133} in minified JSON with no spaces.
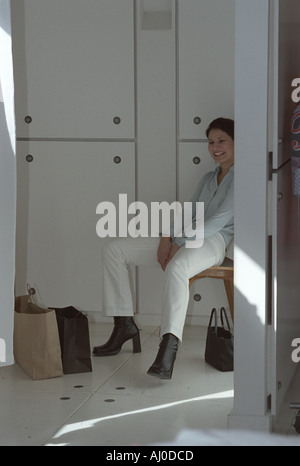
{"x":36,"y":340}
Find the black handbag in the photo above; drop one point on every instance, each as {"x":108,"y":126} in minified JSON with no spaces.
{"x":74,"y":338}
{"x":219,"y":343}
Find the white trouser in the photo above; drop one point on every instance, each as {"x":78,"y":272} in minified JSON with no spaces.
{"x":120,"y":253}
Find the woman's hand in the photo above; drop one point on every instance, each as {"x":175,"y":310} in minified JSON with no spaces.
{"x":166,"y":251}
{"x":174,"y":249}
{"x":163,"y":252}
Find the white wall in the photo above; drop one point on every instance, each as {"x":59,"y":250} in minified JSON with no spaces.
{"x":251,"y":86}
{"x":7,"y":189}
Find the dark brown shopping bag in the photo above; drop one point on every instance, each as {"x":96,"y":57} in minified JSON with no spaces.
{"x":74,"y":340}
{"x":36,"y":340}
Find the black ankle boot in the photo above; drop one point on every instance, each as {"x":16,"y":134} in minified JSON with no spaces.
{"x":125,"y":329}
{"x":164,"y":362}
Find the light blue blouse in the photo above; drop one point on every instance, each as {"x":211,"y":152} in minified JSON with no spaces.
{"x":218,"y":206}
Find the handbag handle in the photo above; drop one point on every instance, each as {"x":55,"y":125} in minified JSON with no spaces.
{"x":31,"y":293}
{"x":224,"y":314}
{"x":214,"y":314}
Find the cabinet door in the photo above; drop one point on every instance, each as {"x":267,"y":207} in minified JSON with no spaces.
{"x":285,"y":278}
{"x":74,"y":68}
{"x":58,"y":250}
{"x":206,"y":64}
{"x":194,"y":162}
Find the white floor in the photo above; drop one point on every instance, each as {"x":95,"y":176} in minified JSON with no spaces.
{"x":117,"y":404}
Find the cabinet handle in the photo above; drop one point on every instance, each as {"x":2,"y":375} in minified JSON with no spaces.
{"x":29,"y":158}
{"x":279,"y":196}
{"x":197,"y":120}
{"x":197,"y":297}
{"x":196,"y":160}
{"x":28,"y":119}
{"x":117,"y":159}
{"x":117,"y":120}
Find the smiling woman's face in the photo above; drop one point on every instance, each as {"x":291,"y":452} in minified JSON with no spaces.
{"x":221,"y":147}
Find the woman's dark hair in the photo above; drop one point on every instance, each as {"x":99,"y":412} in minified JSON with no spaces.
{"x":224,"y":124}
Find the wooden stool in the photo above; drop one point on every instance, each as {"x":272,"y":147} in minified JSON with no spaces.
{"x":223,"y":272}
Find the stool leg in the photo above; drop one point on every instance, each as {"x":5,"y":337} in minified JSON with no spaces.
{"x":230,"y":296}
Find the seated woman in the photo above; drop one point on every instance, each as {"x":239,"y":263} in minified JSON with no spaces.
{"x":179,"y":263}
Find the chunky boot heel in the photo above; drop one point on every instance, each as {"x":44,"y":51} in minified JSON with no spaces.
{"x":124,"y":330}
{"x":164,"y":362}
{"x":136,"y":343}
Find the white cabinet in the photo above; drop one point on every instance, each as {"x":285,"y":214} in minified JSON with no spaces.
{"x":206,"y":42}
{"x":58,"y":250}
{"x":75,"y":105}
{"x":94,"y":81}
{"x":206,"y":64}
{"x":156,"y":137}
{"x":74,"y":68}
